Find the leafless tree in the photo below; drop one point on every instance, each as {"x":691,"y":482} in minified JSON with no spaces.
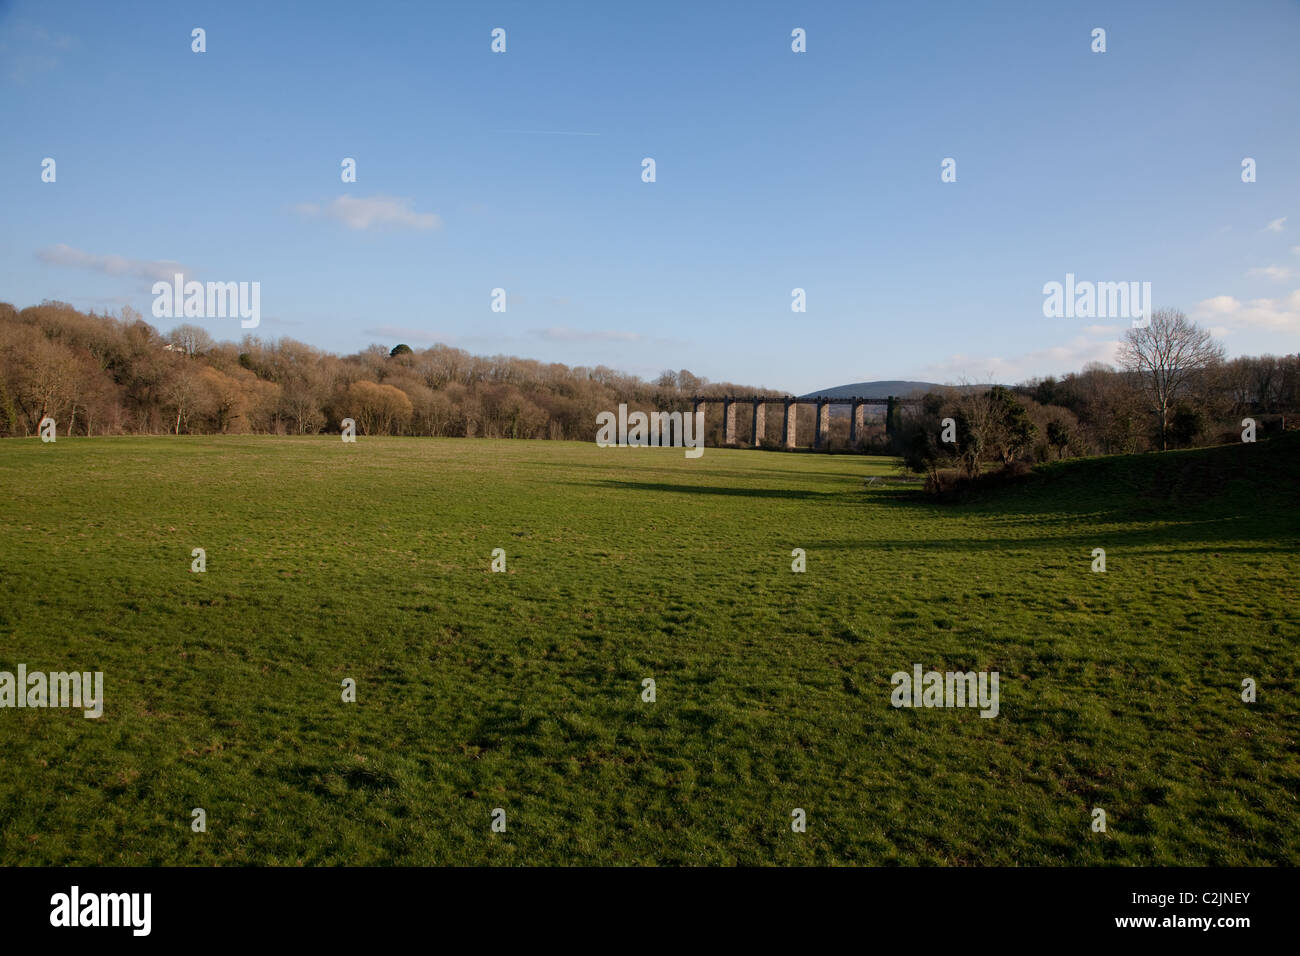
{"x":190,"y":339}
{"x":1166,"y":355}
{"x":183,"y":391}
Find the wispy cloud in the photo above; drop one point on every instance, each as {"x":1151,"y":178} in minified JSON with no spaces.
{"x":32,"y":50}
{"x":422,"y":337}
{"x":111,"y":265}
{"x":408,"y":334}
{"x":1017,"y":368}
{"x":1277,"y":225}
{"x":1271,"y":272}
{"x":564,"y":334}
{"x":357,"y":212}
{"x":98,"y":300}
{"x":548,"y":132}
{"x":413,"y":335}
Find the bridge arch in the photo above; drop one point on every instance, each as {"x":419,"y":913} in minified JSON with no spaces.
{"x":790,"y":410}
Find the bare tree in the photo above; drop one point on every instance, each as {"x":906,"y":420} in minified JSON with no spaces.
{"x":47,"y":381}
{"x":379,"y":409}
{"x":183,"y":392}
{"x":190,"y":339}
{"x":1166,"y":355}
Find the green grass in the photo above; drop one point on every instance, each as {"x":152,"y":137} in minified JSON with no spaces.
{"x":522,"y":690}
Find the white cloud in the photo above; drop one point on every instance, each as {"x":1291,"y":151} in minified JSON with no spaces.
{"x":1055,"y":360}
{"x":112,"y":265}
{"x":1219,"y":305}
{"x":1272,"y":272}
{"x":1276,"y":225}
{"x":1296,"y":250}
{"x":1274,"y":314}
{"x":363,"y":213}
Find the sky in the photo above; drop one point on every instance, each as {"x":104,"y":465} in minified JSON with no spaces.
{"x":774,"y":170}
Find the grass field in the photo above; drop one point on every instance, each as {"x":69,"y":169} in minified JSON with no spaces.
{"x":522,"y":690}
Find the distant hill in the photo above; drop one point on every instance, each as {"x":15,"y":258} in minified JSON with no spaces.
{"x":898,"y":389}
{"x":895,"y":387}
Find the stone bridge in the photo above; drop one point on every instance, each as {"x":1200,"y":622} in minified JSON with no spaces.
{"x":790,"y":407}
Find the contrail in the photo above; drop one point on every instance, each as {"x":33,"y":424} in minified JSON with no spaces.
{"x":547,"y":132}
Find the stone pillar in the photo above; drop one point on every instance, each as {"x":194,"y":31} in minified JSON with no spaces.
{"x":760,"y":423}
{"x":857,"y":423}
{"x":728,"y":422}
{"x":791,"y":420}
{"x":892,"y":417}
{"x":822,"y":428}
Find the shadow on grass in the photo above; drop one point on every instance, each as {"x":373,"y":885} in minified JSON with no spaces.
{"x":705,"y":467}
{"x":1232,"y":482}
{"x":725,"y":490}
{"x":1175,"y":541}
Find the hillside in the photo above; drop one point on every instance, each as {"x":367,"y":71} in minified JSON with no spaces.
{"x":884,"y":389}
{"x":1244,"y":479}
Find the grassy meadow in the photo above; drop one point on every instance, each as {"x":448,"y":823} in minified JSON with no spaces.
{"x":522,"y":690}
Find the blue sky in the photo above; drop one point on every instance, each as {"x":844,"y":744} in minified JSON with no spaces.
{"x":775,"y":170}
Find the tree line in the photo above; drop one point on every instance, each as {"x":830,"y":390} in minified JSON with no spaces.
{"x":113,"y":375}
{"x":1174,"y":388}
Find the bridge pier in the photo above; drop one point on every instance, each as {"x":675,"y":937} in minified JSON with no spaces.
{"x":789,"y":425}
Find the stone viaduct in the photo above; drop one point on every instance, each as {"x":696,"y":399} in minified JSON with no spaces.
{"x":790,"y":405}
